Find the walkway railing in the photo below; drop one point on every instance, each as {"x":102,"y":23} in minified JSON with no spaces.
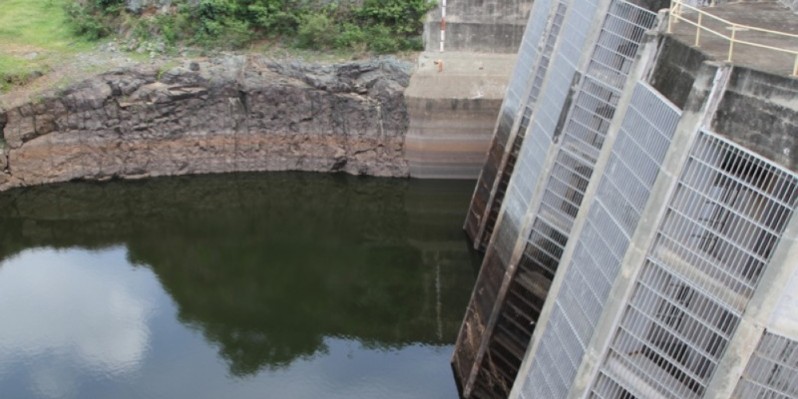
{"x":704,"y":18}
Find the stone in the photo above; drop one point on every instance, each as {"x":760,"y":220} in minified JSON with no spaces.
{"x":3,"y":121}
{"x":137,"y":6}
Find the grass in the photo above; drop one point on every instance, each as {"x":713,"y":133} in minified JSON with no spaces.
{"x":10,"y":65}
{"x":34,"y":34}
{"x":277,"y":50}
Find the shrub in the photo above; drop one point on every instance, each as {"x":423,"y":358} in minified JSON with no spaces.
{"x":316,"y":31}
{"x":236,"y":34}
{"x":219,"y":24}
{"x":382,"y":40}
{"x":274,"y":16}
{"x":351,"y":37}
{"x":109,"y":4}
{"x":415,"y":43}
{"x":394,"y":24}
{"x":85,"y":22}
{"x":213,"y":14}
{"x":380,"y":25}
{"x":403,"y":16}
{"x":165,"y":25}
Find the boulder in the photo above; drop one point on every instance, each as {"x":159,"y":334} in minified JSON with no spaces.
{"x":137,"y":6}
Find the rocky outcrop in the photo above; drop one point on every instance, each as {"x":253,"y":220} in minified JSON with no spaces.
{"x":229,"y":114}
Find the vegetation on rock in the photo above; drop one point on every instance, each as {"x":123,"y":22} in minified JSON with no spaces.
{"x":380,"y":26}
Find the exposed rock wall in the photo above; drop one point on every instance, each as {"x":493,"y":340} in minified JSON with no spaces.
{"x":224,"y":115}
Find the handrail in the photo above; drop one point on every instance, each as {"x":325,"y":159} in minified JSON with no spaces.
{"x":675,"y":15}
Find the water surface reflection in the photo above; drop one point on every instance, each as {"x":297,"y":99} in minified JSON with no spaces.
{"x":280,"y":285}
{"x":68,"y":314}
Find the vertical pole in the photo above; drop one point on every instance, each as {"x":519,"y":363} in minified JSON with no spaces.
{"x":795,"y":66}
{"x":731,"y":42}
{"x":670,"y":17}
{"x":443,"y":23}
{"x":698,"y":30}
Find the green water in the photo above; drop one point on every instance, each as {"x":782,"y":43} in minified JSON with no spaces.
{"x":282,"y":285}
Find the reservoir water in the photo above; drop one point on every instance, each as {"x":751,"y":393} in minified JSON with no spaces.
{"x":282,"y":285}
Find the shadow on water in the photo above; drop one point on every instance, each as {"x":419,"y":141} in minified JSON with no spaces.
{"x":266,"y":266}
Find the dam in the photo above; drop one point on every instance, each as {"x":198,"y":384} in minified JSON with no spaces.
{"x":636,"y":207}
{"x":635,"y":197}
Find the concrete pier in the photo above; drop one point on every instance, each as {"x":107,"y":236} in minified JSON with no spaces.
{"x":452,"y":111}
{"x":457,"y":90}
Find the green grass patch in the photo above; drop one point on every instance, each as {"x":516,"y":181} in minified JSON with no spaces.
{"x":40,"y":23}
{"x":14,"y":71}
{"x":34,"y":34}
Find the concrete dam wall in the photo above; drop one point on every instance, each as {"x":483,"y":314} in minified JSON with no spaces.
{"x":479,"y":26}
{"x":455,"y":94}
{"x":638,"y":214}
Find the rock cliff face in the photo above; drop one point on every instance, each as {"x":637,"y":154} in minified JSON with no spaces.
{"x":229,"y":114}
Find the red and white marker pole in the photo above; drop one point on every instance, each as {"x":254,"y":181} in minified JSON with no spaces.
{"x":443,"y":23}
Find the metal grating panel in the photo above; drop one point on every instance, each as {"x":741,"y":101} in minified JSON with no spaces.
{"x":591,"y":114}
{"x":548,"y":112}
{"x":492,"y":271}
{"x":616,"y":48}
{"x":519,"y":81}
{"x":583,"y":135}
{"x":518,"y":207}
{"x":533,"y":151}
{"x":548,"y":48}
{"x":527,"y":56}
{"x":639,"y":149}
{"x":506,"y":237}
{"x":523,"y":300}
{"x":772,"y":372}
{"x":725,"y":217}
{"x":523,"y":184}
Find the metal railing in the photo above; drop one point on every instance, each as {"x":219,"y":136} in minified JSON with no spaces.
{"x":702,"y":18}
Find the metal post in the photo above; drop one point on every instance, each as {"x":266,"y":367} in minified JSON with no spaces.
{"x":795,"y":66}
{"x":731,"y":42}
{"x":698,"y":30}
